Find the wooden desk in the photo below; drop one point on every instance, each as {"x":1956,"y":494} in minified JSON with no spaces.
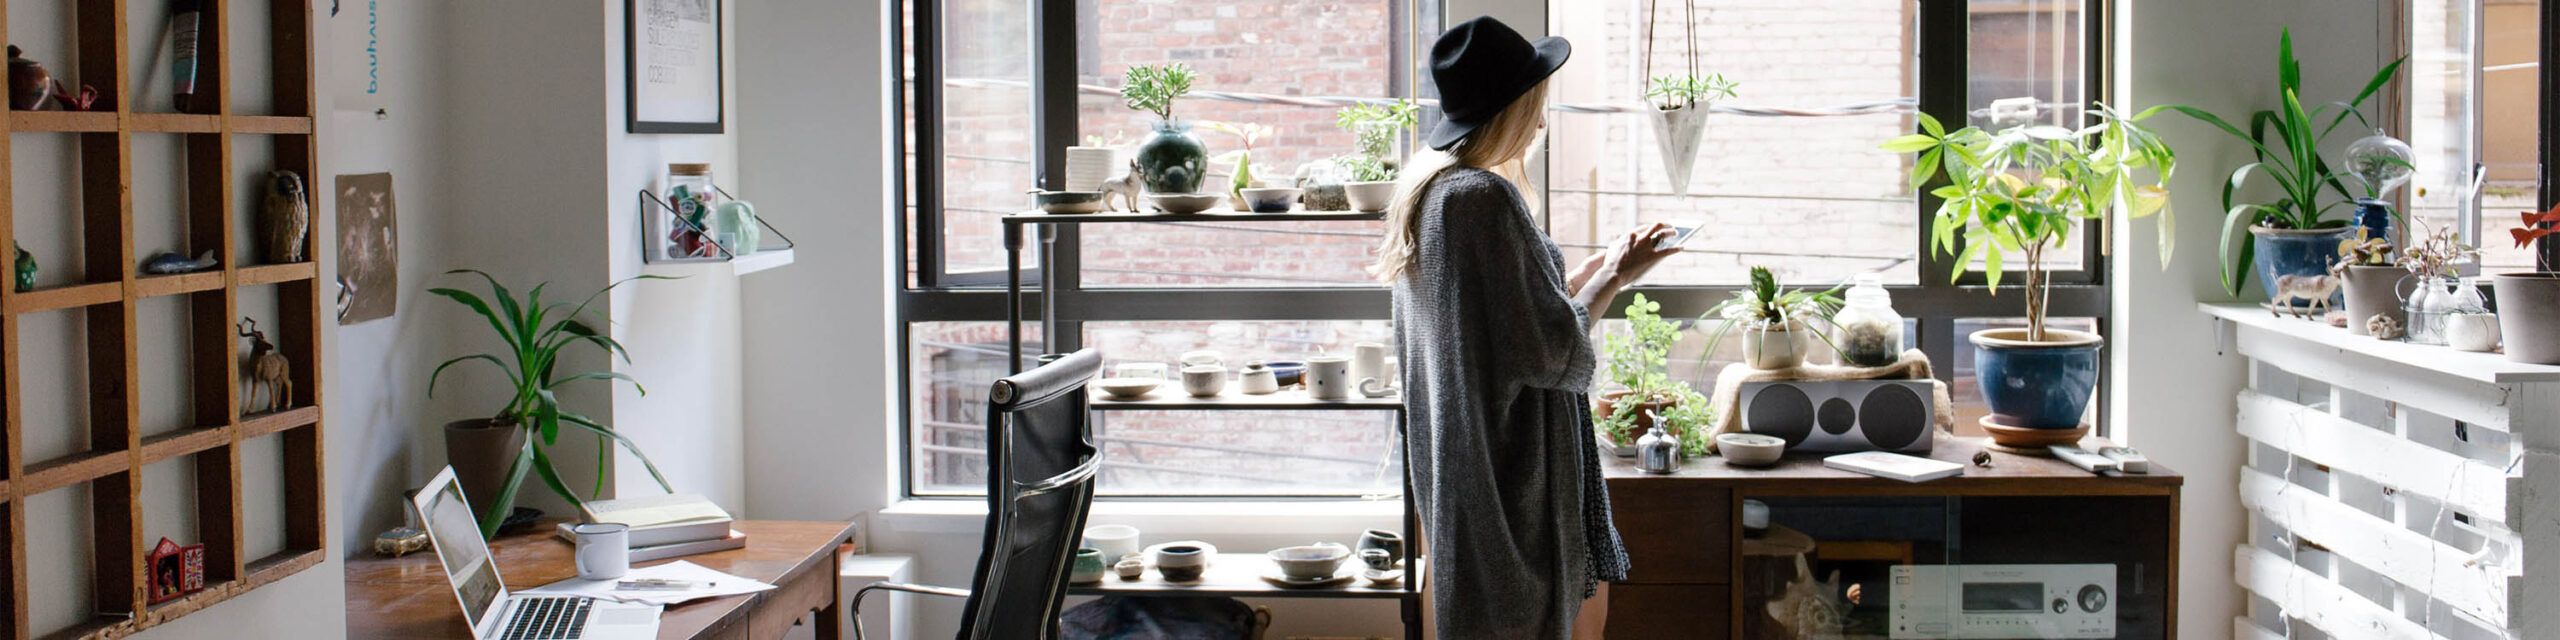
{"x":408,"y":597}
{"x":1685,"y":541}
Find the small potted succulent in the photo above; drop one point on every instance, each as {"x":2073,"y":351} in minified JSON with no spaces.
{"x":1172,"y":161}
{"x":1376,"y":128}
{"x":2025,"y":189}
{"x":1778,"y":324}
{"x":1245,"y":190}
{"x":2374,"y":283}
{"x":1638,"y":364}
{"x":2529,"y":302}
{"x":1680,"y":106}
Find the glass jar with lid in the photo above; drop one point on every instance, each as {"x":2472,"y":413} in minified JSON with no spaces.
{"x":1869,"y":330}
{"x":690,"y":194}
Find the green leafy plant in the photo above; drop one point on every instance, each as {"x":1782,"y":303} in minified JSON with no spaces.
{"x":2026,"y":188}
{"x":1245,"y":133}
{"x":1153,"y":88}
{"x":2361,"y":251}
{"x":1690,"y":415}
{"x":1677,"y":92}
{"x":2286,"y":142}
{"x":1638,"y":361}
{"x":1765,"y":306}
{"x":535,"y":334}
{"x":1376,"y":125}
{"x":2436,"y":254}
{"x":1365,"y":168}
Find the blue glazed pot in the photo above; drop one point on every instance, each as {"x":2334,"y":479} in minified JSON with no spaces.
{"x":2374,"y":216}
{"x":2296,"y":252}
{"x":2038,"y":385}
{"x":1173,"y":161}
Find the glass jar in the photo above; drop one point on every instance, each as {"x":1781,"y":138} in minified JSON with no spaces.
{"x":1870,"y":331}
{"x":690,"y":194}
{"x":2435,"y":299}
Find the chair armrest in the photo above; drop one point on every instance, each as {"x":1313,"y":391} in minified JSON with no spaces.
{"x":929,"y":590}
{"x":1081,"y":473}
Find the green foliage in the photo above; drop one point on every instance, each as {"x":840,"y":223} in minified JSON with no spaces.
{"x":1766,"y":306}
{"x":1153,"y":88}
{"x":1247,"y":133}
{"x":535,"y":334}
{"x":1673,"y":92}
{"x":2026,"y":188}
{"x":1639,"y":360}
{"x":2286,"y":141}
{"x":2361,"y":251}
{"x":1365,"y":168}
{"x":1376,"y":125}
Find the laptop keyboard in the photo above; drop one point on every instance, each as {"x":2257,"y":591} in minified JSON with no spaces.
{"x":548,"y":619}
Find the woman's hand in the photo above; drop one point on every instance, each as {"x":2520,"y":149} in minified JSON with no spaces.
{"x":1637,"y":253}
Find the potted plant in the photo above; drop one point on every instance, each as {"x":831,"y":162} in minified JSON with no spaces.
{"x":2529,"y":302}
{"x":2026,"y":189}
{"x":2291,"y":235}
{"x":2373,"y":282}
{"x":1638,"y":364}
{"x":1375,"y":129}
{"x":492,"y":455}
{"x":1242,"y":177}
{"x":1173,"y":161}
{"x":1776,"y":322}
{"x":1680,"y":106}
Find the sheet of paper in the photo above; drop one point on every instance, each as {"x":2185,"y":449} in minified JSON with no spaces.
{"x":709,"y":584}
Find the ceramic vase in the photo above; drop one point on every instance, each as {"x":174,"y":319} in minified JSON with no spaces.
{"x":1678,"y":132}
{"x":2037,"y":384}
{"x":1173,"y":161}
{"x":2295,"y":252}
{"x":2529,"y":315}
{"x":2474,"y":332}
{"x":2376,"y":291}
{"x":1775,"y":347}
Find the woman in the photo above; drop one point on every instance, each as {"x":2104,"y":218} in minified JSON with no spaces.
{"x":1493,"y":331}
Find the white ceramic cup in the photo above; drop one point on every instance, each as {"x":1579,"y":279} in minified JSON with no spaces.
{"x":1329,"y":377}
{"x":1204,"y":380}
{"x":1154,"y":370}
{"x":604,"y":549}
{"x":1369,"y":360}
{"x":1088,"y":167}
{"x":1115,"y":540}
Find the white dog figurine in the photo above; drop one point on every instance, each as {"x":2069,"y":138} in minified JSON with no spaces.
{"x":1124,"y":187}
{"x":2317,"y":289}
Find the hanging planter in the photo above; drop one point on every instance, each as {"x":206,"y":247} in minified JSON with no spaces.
{"x":1680,"y":104}
{"x":1679,"y":131}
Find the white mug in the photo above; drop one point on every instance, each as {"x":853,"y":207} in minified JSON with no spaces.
{"x":1204,"y":380}
{"x":1369,"y":360}
{"x":1329,"y":377}
{"x":604,"y":549}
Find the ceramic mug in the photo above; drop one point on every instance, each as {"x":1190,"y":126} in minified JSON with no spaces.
{"x":604,"y":549}
{"x":1369,"y":360}
{"x":1204,"y":380}
{"x":1382,"y":540}
{"x":1116,"y":541}
{"x":1378,"y":559}
{"x":1088,"y":568}
{"x":1154,"y":370}
{"x":1258,"y":379}
{"x":1329,"y":377}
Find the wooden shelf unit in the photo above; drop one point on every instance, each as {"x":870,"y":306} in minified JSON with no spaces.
{"x":107,"y":301}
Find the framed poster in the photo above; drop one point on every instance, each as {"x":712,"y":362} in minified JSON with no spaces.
{"x":671,"y":66}
{"x":368,"y":248}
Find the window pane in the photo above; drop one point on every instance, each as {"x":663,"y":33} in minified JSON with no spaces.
{"x":1297,"y":49}
{"x":1812,"y":198}
{"x":1967,"y":391}
{"x":2473,"y":106}
{"x":951,"y":366}
{"x":988,"y":146}
{"x":2028,"y":49}
{"x":1332,"y":453}
{"x":2510,"y":90}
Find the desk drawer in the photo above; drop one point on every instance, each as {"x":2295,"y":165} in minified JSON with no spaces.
{"x":1669,"y":612}
{"x":1676,"y":533}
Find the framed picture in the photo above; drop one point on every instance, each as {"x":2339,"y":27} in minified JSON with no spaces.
{"x":671,"y":66}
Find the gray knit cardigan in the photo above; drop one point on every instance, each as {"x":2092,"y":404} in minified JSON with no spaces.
{"x":1505,"y":470}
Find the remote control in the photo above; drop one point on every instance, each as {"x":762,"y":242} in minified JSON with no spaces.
{"x":2128,"y":459}
{"x":2083,"y":459}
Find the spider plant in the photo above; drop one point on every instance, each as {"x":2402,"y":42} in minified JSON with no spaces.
{"x":1764,"y":306}
{"x":535,"y":334}
{"x":1676,"y":92}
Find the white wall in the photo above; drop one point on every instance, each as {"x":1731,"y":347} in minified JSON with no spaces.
{"x":2173,"y":391}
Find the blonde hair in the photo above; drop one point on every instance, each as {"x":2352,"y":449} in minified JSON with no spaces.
{"x":1498,"y":146}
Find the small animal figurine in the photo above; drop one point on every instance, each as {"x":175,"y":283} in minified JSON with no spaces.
{"x":284,"y":218}
{"x":2316,"y":288}
{"x":2382,"y":327}
{"x":168,"y":262}
{"x":1124,"y":187}
{"x":268,"y":370}
{"x":25,"y":269}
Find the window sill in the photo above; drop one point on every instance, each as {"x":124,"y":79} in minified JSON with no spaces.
{"x":1168,"y":517}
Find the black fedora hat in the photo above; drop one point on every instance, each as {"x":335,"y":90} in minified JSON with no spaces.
{"x":1481,"y":66}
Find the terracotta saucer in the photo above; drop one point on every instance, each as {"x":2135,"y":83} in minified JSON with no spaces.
{"x":2028,"y":442}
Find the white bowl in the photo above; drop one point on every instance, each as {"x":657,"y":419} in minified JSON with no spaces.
{"x":1115,"y":541}
{"x":1185,"y":203}
{"x":1750,"y":449}
{"x":1128,"y":388}
{"x":1312,"y":561}
{"x":1270,"y":199}
{"x":1369,"y":197}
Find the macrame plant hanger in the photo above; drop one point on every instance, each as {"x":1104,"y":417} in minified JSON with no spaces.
{"x":1678,"y":130}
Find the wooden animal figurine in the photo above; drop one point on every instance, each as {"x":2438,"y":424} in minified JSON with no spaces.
{"x":2315,"y":288}
{"x":1124,"y":187}
{"x":268,"y":370}
{"x":284,"y":218}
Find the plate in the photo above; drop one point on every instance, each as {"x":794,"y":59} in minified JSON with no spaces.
{"x":1273,"y":576}
{"x":1387,"y":578}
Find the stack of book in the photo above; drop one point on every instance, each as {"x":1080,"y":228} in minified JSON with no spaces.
{"x":666,"y":526}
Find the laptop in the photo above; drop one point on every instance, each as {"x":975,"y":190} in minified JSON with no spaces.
{"x":492,"y":613}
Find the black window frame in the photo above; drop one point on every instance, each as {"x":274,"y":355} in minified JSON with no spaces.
{"x":1936,"y":302}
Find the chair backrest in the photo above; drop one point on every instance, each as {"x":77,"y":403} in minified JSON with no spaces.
{"x":1040,"y":470}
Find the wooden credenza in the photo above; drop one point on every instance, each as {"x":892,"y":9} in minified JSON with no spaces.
{"x":1684,"y":536}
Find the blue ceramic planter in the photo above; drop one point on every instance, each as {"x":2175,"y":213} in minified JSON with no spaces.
{"x":2374,"y":216}
{"x":2039,"y":385}
{"x":2296,"y":252}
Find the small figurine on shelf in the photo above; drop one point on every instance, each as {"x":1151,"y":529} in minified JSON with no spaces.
{"x":1123,"y":188}
{"x":267,"y":369}
{"x":32,"y":88}
{"x":26,"y":269}
{"x":284,"y":219}
{"x":175,"y":570}
{"x":169,"y":262}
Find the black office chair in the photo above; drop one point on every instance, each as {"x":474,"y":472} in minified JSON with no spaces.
{"x":1038,"y":426}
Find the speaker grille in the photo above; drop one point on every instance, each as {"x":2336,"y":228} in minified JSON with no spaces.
{"x":1894,"y":417}
{"x":1780,"y":410}
{"x":1836,"y":416}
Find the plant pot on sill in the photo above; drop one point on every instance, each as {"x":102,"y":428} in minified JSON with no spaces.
{"x":2295,"y":252}
{"x":2529,"y":316}
{"x":480,"y":453}
{"x":1775,"y":348}
{"x":2376,"y":291}
{"x":1370,"y":197}
{"x":2037,"y":385}
{"x":1643,"y":419}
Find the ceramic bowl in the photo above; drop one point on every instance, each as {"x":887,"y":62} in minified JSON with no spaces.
{"x":1750,"y":449}
{"x":1182,"y":562}
{"x":1128,"y":388}
{"x":1287,"y":372}
{"x":1308,"y":562}
{"x":1204,"y":380}
{"x":1271,"y":199}
{"x":1184,"y":203}
{"x":1369,"y":197}
{"x":1115,"y":540}
{"x":1068,"y":201}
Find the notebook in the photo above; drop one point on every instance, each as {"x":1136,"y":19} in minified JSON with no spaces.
{"x":1894,"y":465}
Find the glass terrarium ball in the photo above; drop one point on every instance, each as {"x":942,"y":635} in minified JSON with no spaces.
{"x":2381,"y":162}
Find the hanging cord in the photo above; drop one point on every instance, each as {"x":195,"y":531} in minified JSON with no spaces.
{"x":1693,"y":41}
{"x":1645,"y":72}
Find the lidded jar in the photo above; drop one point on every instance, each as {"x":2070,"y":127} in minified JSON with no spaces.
{"x":1870,"y":331}
{"x":690,"y":193}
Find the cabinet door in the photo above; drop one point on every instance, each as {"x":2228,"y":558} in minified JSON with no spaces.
{"x":1669,"y":612}
{"x":1674,"y":534}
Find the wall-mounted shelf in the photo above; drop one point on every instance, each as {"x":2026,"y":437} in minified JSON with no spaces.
{"x":766,"y":256}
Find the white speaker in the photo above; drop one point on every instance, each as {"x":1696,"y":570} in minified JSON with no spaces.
{"x":1842,"y":415}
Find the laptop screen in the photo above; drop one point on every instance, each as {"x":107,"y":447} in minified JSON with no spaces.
{"x":456,"y":535}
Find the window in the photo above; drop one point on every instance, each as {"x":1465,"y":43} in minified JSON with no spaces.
{"x":996,"y":90}
{"x":2474,"y":89}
